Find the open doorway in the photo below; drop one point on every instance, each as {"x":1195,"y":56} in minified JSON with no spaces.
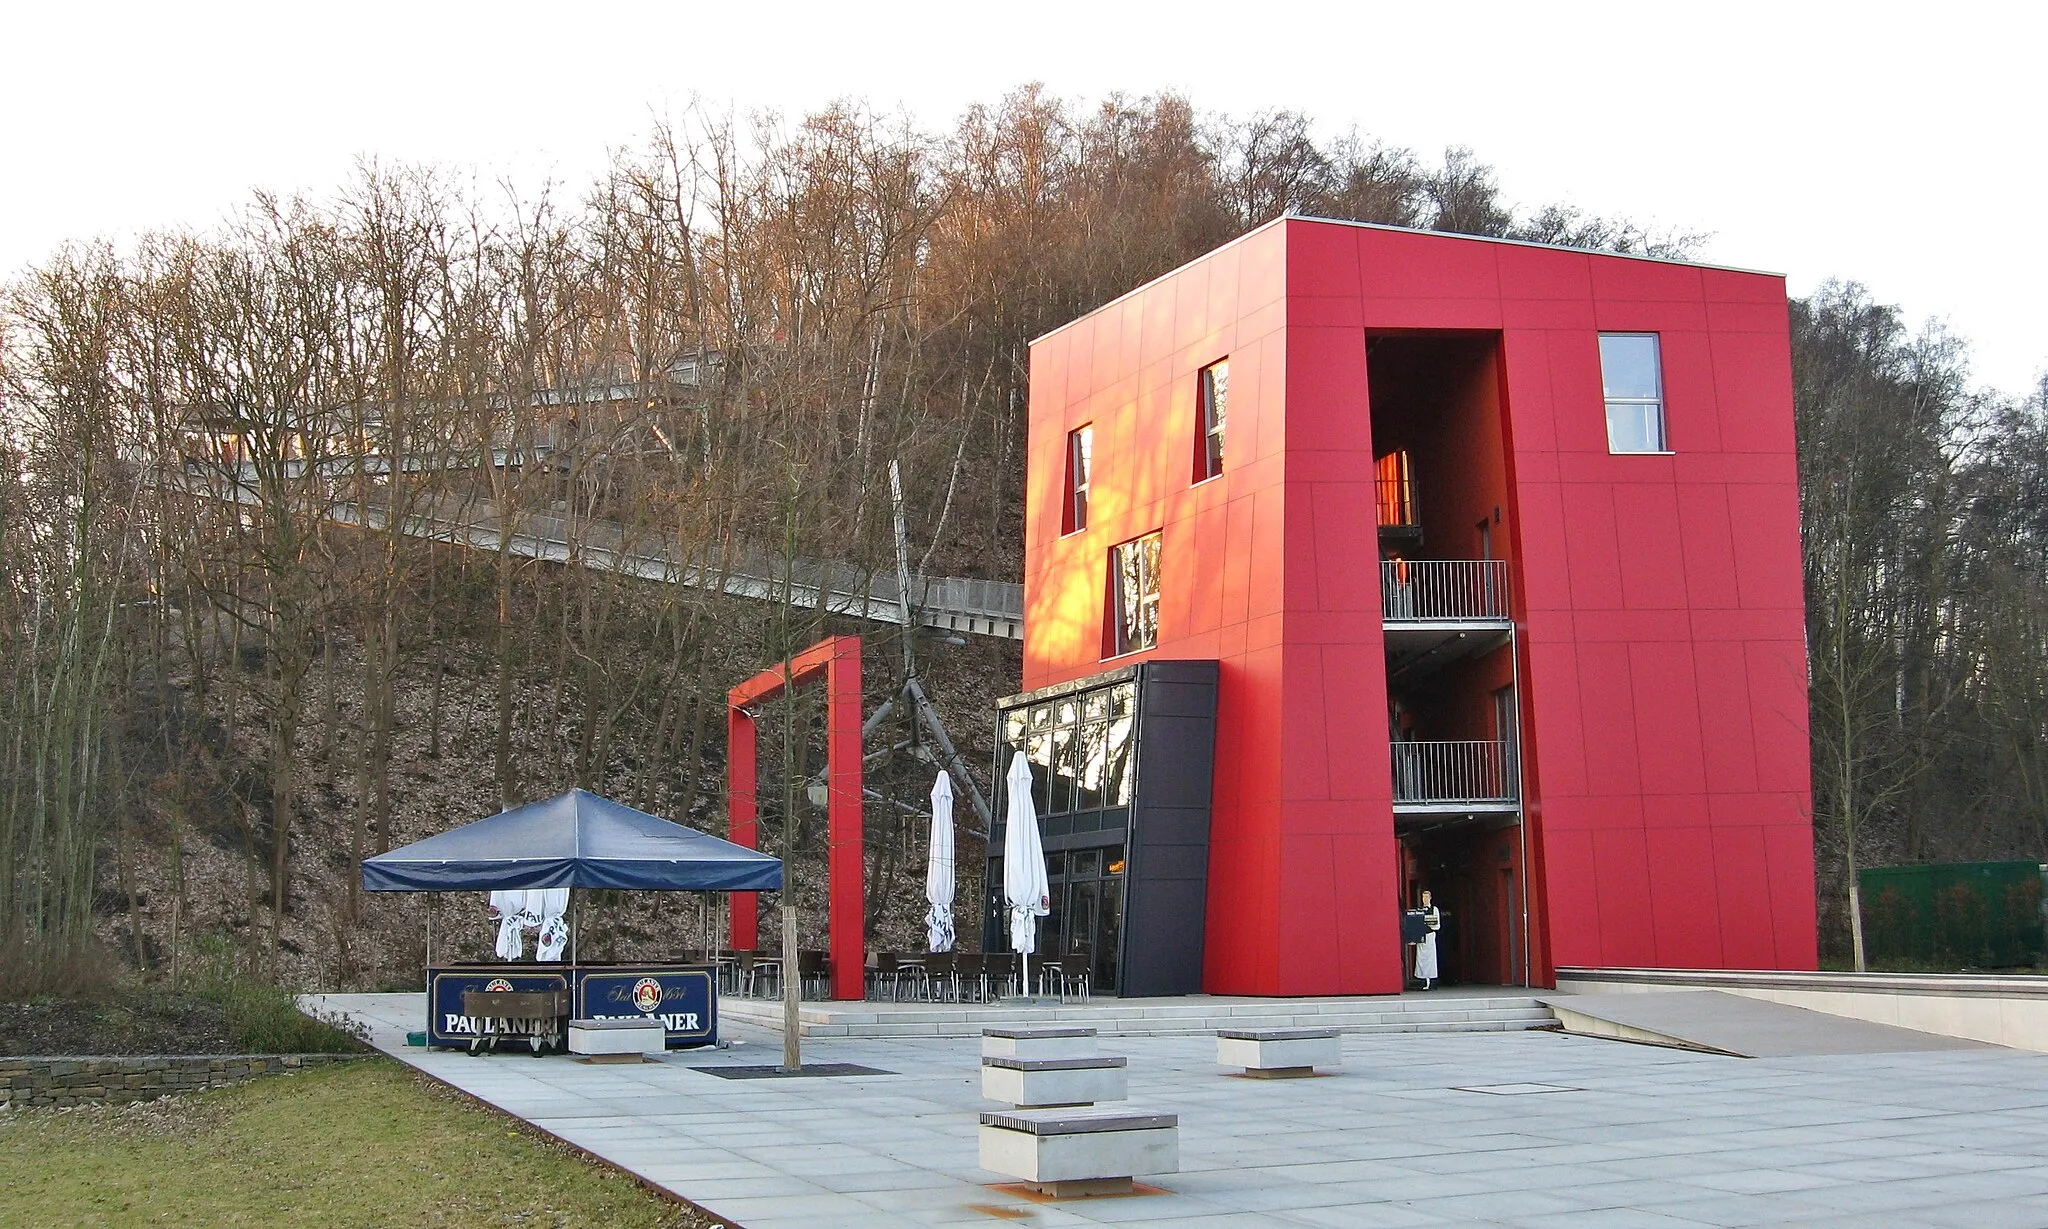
{"x":1472,"y":866}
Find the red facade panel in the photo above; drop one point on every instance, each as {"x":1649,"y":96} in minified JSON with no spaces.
{"x":1658,"y":621}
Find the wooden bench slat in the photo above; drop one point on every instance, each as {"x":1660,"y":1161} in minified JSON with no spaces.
{"x":1276,"y":1034}
{"x":1063,"y":1122}
{"x":1034,"y":1034}
{"x":1053,"y":1064}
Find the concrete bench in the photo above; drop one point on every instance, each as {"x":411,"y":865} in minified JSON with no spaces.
{"x":1278,"y":1053}
{"x":1038,"y":1083}
{"x":1079,"y":1152}
{"x":626,"y":1035}
{"x":1065,"y":1042}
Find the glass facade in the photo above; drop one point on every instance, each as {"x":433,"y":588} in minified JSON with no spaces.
{"x":1082,"y":750}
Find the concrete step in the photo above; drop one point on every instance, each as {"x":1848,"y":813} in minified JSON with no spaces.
{"x":1302,"y":1013}
{"x":1113,"y":1018}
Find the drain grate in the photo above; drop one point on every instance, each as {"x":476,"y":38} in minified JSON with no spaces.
{"x":1515,"y":1090}
{"x":806,"y":1071}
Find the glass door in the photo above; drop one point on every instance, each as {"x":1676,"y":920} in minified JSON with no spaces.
{"x":1086,"y":922}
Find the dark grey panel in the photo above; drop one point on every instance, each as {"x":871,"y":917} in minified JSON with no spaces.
{"x":1162,"y":954}
{"x":1177,"y":862}
{"x":1166,"y":889}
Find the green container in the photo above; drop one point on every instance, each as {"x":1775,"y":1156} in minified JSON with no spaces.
{"x":415,"y":1039}
{"x":1975,"y":915}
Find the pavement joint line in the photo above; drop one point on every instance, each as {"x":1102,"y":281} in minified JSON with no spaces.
{"x":1645,"y":1138}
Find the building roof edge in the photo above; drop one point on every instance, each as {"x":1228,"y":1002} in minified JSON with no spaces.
{"x":1145,"y":285}
{"x":1406,"y":230}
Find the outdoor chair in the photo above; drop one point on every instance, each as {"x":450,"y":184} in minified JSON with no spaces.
{"x":1053,"y":978}
{"x":813,"y":969}
{"x":969,"y":972}
{"x":756,"y":972}
{"x":942,"y":977}
{"x":999,"y":976}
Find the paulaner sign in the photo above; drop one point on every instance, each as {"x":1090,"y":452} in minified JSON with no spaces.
{"x":683,"y":998}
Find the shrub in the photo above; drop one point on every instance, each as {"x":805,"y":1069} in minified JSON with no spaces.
{"x":264,"y":1017}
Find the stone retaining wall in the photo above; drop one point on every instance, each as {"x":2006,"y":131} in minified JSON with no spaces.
{"x":80,"y":1081}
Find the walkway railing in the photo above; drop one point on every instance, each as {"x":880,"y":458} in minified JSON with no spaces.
{"x":1477,"y":773}
{"x":1443,"y":590}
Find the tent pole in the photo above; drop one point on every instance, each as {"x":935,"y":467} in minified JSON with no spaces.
{"x":572,"y":927}
{"x":430,"y":937}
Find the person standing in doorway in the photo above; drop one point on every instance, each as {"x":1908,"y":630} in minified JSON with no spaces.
{"x":1425,"y":948}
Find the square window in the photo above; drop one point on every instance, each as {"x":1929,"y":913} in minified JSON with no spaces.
{"x":1080,"y":462}
{"x":1133,"y":596}
{"x":1212,"y":401}
{"x":1632,"y":380}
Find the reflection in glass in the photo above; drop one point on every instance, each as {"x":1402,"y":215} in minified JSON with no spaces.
{"x":1109,"y":926}
{"x":1628,"y":367}
{"x":1041,"y":771}
{"x":1064,"y":769}
{"x":1094,"y":757}
{"x":1083,"y":921}
{"x":1116,"y":789}
{"x":1135,"y":575}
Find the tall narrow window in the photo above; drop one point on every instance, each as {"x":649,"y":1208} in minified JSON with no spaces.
{"x":1133,"y":596}
{"x":1394,"y":491}
{"x":1080,"y":459}
{"x":1631,"y":375}
{"x":1212,"y":397}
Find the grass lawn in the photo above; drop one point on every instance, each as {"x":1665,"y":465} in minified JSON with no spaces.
{"x":368,"y":1143}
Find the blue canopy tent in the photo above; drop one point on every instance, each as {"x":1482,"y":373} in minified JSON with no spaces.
{"x":573,"y":840}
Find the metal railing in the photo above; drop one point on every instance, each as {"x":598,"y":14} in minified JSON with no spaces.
{"x":1454,"y":772}
{"x":1424,"y":590}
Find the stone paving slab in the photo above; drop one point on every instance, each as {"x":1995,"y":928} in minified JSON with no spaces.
{"x":1733,"y":1024}
{"x":1645,"y":1136}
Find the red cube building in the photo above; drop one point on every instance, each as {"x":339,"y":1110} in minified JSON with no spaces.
{"x":1495,"y":548}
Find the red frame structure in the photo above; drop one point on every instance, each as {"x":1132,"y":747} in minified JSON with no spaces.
{"x":1657,"y":606}
{"x":837,"y":659}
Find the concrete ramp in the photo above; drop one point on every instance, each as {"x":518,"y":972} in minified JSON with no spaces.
{"x":1731,"y":1024}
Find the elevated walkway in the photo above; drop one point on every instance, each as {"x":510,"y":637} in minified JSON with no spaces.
{"x":1719,"y":1023}
{"x":969,"y":606}
{"x":1466,"y":1009}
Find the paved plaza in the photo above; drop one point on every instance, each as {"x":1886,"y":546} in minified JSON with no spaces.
{"x":1509,"y":1128}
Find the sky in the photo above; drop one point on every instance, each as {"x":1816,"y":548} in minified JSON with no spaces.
{"x":1894,"y":145}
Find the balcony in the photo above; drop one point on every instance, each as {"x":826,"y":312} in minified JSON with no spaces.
{"x":1454,"y":777}
{"x":1444,"y":591}
{"x":1437,"y":611}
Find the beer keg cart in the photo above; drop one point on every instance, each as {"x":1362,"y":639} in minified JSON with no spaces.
{"x":538,"y":1015}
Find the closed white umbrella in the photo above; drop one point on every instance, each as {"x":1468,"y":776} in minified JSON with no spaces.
{"x":1025,"y":890}
{"x":938,"y":870}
